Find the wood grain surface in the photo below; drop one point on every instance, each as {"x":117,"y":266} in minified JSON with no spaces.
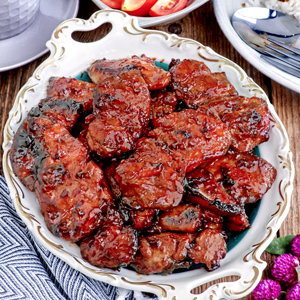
{"x":200,"y":25}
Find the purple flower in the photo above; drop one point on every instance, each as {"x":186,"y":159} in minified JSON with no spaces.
{"x":284,"y":269}
{"x":267,"y":289}
{"x":295,"y":246}
{"x":293,"y":293}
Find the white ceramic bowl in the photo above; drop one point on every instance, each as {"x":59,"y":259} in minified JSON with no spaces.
{"x":153,"y":21}
{"x":224,"y":10}
{"x":16,"y":16}
{"x":70,"y":58}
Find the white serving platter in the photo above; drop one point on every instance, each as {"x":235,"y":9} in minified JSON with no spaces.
{"x":69,"y":58}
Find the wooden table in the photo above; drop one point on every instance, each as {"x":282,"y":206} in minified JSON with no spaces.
{"x":200,"y":25}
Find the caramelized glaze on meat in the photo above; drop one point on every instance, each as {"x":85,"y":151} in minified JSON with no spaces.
{"x":155,"y":228}
{"x":162,"y":104}
{"x":245,"y":176}
{"x":192,"y":136}
{"x":155,"y":77}
{"x":227,"y":183}
{"x":148,"y":179}
{"x":205,"y":190}
{"x":110,"y":134}
{"x":121,"y":114}
{"x":162,"y":253}
{"x":113,"y":246}
{"x":237,"y":222}
{"x":70,"y":88}
{"x":138,"y":219}
{"x":184,"y":217}
{"x":23,"y":156}
{"x":66,"y":112}
{"x":209,"y":248}
{"x":195,"y":84}
{"x":247,"y":119}
{"x":212,"y":220}
{"x":70,"y":187}
{"x":142,"y":219}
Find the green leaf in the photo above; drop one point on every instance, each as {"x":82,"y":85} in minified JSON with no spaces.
{"x":281,"y":296}
{"x":298,"y":272}
{"x":281,"y":245}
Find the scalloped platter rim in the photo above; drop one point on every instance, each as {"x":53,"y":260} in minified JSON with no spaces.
{"x":124,"y":40}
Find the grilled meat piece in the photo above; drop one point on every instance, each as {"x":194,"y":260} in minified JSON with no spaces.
{"x":70,"y":88}
{"x":226,"y":184}
{"x":140,"y":219}
{"x":22,"y":155}
{"x":209,"y":248}
{"x":148,"y":178}
{"x":245,"y":176}
{"x":247,"y":119}
{"x":113,"y":246}
{"x":155,"y":77}
{"x":162,"y":253}
{"x":203,"y":189}
{"x":192,"y":136}
{"x":111,"y":134}
{"x":194,"y":83}
{"x":70,"y":187}
{"x":184,"y":217}
{"x":121,"y":114}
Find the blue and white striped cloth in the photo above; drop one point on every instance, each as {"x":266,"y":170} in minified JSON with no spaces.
{"x":29,"y":271}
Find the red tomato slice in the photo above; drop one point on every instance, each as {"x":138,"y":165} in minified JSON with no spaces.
{"x":113,"y":3}
{"x":166,"y":7}
{"x":139,"y":8}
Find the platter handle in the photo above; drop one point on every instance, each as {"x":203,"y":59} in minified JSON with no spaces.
{"x":118,"y":19}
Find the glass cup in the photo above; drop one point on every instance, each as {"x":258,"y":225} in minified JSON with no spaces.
{"x":16,"y":16}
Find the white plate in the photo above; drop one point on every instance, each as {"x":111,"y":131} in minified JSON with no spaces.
{"x":70,"y":58}
{"x":31,"y":43}
{"x":153,"y":21}
{"x":224,"y":11}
